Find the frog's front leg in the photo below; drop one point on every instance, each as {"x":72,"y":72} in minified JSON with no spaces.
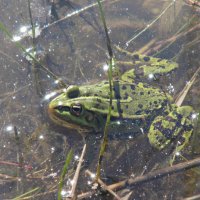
{"x":176,"y":126}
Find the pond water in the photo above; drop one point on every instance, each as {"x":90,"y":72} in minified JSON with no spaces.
{"x":71,"y":48}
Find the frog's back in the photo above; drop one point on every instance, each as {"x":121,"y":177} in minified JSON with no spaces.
{"x":138,"y":99}
{"x":130,"y":100}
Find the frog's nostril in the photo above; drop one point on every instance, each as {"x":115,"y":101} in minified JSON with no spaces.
{"x":62,"y":108}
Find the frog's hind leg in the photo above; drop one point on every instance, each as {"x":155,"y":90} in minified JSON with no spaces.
{"x":135,"y":56}
{"x":176,"y":126}
{"x":147,"y":66}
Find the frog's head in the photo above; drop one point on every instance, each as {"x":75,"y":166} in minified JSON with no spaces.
{"x":75,"y":110}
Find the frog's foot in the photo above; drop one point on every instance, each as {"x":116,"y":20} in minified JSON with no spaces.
{"x":148,"y":66}
{"x":175,"y":127}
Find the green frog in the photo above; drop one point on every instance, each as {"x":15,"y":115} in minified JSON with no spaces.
{"x":85,"y":107}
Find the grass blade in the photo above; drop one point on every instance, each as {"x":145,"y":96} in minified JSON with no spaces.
{"x":111,"y":63}
{"x":64,"y":171}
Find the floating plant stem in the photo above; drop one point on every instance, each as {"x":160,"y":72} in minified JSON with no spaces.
{"x":150,"y":176}
{"x":64,"y":171}
{"x":18,"y":45}
{"x":111,"y":63}
{"x":149,"y":25}
{"x":179,"y":100}
{"x":77,"y":172}
{"x":34,"y":64}
{"x":20,"y":159}
{"x":74,"y":13}
{"x":27,"y":193}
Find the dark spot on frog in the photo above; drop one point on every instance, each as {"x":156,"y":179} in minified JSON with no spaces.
{"x":149,"y":92}
{"x":96,"y":95}
{"x":155,"y":102}
{"x":146,"y":59}
{"x":188,"y":128}
{"x":97,"y":105}
{"x":141,"y":93}
{"x":132,"y":87}
{"x":112,"y":107}
{"x":123,"y":87}
{"x":130,"y":77}
{"x":136,"y":57}
{"x":99,"y":100}
{"x":166,"y":112}
{"x":120,"y":110}
{"x":159,"y":60}
{"x":117,"y":96}
{"x":125,"y":96}
{"x":140,"y":106}
{"x":165,"y":131}
{"x":126,"y":106}
{"x":138,"y":112}
{"x":162,"y":66}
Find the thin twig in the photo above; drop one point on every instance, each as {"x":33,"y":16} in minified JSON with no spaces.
{"x":103,"y":185}
{"x":163,"y":43}
{"x":86,"y":194}
{"x":179,"y":100}
{"x":76,"y":175}
{"x":193,"y":197}
{"x":149,"y":25}
{"x":151,"y":176}
{"x":34,"y":64}
{"x":158,"y":173}
{"x":76,"y":12}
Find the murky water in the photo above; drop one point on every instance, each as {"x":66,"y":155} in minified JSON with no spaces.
{"x":75,"y":51}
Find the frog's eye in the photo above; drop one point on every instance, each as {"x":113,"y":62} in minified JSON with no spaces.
{"x":76,"y":109}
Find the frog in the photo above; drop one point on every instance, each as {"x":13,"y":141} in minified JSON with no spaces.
{"x":84,"y":108}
